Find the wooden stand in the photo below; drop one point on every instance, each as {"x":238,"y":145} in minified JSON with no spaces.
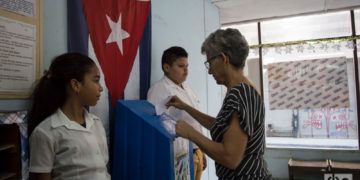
{"x":10,"y":157}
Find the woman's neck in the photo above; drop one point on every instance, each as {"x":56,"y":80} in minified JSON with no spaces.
{"x":235,"y":77}
{"x":74,"y":111}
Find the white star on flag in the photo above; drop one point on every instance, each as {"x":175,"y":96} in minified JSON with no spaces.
{"x":117,"y":34}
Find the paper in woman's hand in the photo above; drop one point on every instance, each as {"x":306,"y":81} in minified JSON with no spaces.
{"x":161,"y":108}
{"x":168,"y":123}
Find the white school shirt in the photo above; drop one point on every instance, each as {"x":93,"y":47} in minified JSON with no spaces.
{"x":164,"y":88}
{"x":68,"y":150}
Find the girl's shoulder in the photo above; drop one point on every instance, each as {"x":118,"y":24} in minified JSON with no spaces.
{"x":46,"y":123}
{"x":42,"y":131}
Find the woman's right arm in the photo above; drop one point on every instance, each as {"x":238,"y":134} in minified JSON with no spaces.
{"x":40,"y":176}
{"x":204,"y":119}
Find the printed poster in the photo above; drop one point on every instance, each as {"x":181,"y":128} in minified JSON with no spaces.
{"x":316,"y":83}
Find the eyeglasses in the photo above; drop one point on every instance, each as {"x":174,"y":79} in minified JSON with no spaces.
{"x":207,"y":62}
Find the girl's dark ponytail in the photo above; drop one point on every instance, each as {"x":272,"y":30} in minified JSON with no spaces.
{"x":47,"y":97}
{"x":50,"y":92}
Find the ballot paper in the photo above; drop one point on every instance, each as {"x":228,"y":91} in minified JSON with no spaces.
{"x":171,"y":111}
{"x":161,"y":108}
{"x":168,"y":123}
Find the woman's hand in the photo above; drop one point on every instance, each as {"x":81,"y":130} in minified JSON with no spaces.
{"x":183,"y":129}
{"x":176,"y":102}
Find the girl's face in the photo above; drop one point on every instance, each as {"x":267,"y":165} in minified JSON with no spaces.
{"x":90,"y":88}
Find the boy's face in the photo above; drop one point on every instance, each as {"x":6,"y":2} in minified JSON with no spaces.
{"x":178,"y":71}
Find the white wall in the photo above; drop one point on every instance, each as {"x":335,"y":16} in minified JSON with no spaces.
{"x":186,"y":23}
{"x":213,"y":90}
{"x":180,"y":23}
{"x":55,"y":30}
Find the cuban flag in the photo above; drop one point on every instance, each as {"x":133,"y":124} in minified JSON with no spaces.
{"x":116,"y":34}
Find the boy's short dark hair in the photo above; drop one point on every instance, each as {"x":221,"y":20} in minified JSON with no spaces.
{"x":171,"y":54}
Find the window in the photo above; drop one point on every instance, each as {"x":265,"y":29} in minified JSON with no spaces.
{"x":249,"y":30}
{"x":306,"y":27}
{"x":310,"y":97}
{"x":308,"y":79}
{"x":357,"y":21}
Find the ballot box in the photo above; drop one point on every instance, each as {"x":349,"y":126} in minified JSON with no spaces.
{"x":145,"y":146}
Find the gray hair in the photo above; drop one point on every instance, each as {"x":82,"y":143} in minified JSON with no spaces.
{"x":230,"y":42}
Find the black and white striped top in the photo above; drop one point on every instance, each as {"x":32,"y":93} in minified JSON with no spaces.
{"x":245,"y":100}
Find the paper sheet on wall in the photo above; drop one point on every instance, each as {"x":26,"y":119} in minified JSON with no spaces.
{"x":17,"y":55}
{"x":316,"y":83}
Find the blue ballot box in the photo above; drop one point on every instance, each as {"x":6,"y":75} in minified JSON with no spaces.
{"x":145,"y":146}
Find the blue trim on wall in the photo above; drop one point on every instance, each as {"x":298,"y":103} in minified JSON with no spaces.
{"x":145,"y":59}
{"x":78,"y":34}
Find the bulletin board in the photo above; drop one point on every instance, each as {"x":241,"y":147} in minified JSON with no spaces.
{"x":20,"y":47}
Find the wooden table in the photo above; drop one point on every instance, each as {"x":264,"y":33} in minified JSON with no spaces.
{"x":346,"y":168}
{"x":311,"y":168}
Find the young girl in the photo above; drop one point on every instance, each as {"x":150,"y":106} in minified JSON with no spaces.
{"x":67,"y":142}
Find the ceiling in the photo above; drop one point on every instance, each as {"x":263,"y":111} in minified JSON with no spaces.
{"x":232,"y":11}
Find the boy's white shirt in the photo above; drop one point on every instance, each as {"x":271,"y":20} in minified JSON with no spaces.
{"x":159,"y":94}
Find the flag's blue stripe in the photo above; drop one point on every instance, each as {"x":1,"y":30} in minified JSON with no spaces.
{"x":145,"y":59}
{"x":78,"y":34}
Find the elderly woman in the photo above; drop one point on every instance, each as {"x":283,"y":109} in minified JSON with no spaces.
{"x":238,"y":139}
